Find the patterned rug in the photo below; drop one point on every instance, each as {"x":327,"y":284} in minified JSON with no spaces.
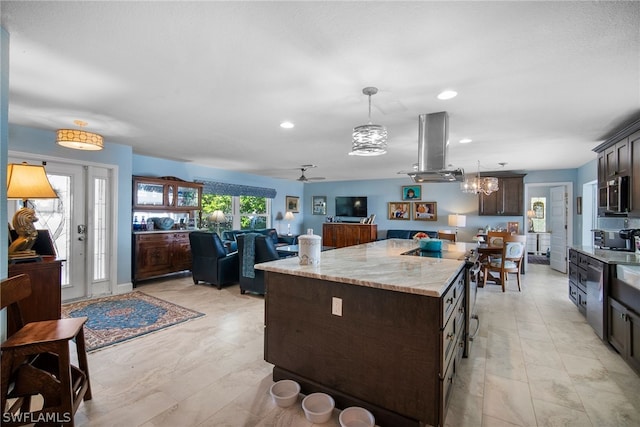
{"x":538,"y":259}
{"x":119,"y":318}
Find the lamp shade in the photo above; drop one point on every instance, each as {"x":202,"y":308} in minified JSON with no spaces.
{"x":530,"y":213}
{"x":288,"y":216}
{"x":79,"y":139}
{"x":217,"y":216}
{"x":457,"y":220}
{"x":28,"y":182}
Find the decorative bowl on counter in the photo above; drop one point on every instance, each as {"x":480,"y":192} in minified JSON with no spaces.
{"x":433,"y":245}
{"x":164,"y":223}
{"x":318,"y":407}
{"x":285,"y":392}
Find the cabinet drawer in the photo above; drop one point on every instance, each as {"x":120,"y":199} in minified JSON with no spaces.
{"x":451,"y":298}
{"x":573,"y":293}
{"x":583,"y":261}
{"x":451,"y":332}
{"x":154,"y":237}
{"x":573,"y":256}
{"x":180,"y":237}
{"x":582,"y":301}
{"x":573,"y":273}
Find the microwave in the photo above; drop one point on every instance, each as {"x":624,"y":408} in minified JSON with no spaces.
{"x":614,"y":198}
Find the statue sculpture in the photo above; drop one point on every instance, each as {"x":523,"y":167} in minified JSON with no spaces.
{"x":27,"y":233}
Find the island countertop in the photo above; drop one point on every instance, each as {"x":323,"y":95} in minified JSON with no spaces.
{"x":381,"y":265}
{"x":609,"y":256}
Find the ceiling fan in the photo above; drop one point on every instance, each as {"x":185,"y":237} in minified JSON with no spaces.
{"x":303,"y":178}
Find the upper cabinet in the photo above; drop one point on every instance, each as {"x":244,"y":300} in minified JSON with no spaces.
{"x":619,"y":173}
{"x":166,"y":194}
{"x":634,"y":150}
{"x":507,"y":201}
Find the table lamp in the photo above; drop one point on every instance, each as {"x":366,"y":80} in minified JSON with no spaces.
{"x":288,"y":217}
{"x":530,"y":215}
{"x":457,"y":221}
{"x":217,"y":216}
{"x":25,"y":182}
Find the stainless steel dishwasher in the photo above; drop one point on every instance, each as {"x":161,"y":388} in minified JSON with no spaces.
{"x":595,"y":296}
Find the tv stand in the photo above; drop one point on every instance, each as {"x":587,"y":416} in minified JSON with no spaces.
{"x":341,"y":234}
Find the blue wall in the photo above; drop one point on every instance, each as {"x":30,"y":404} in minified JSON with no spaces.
{"x":4,"y":120}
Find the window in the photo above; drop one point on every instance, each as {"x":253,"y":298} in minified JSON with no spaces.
{"x":241,"y":212}
{"x":538,"y":206}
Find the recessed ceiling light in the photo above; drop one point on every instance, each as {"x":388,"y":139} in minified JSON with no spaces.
{"x":286,"y":125}
{"x":447,"y":94}
{"x":465,"y":140}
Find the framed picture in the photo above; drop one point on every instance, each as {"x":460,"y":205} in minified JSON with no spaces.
{"x":292,"y":204}
{"x":411,"y":192}
{"x":425,"y":211}
{"x":399,"y":210}
{"x":319,"y":205}
{"x":513,"y":227}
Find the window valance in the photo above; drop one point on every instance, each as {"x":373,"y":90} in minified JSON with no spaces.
{"x":212,"y":187}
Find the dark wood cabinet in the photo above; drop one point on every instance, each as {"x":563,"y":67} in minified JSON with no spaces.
{"x":616,"y":159}
{"x":160,"y":253}
{"x":507,"y":201}
{"x":45,"y":301}
{"x":339,"y":234}
{"x":166,"y":194}
{"x":411,"y":343}
{"x":624,"y":332}
{"x":634,"y":152}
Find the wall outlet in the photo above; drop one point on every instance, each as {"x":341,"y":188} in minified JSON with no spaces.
{"x":336,"y":306}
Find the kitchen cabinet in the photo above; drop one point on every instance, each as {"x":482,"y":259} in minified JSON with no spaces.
{"x":340,"y":234}
{"x":634,"y":148}
{"x":160,"y":253}
{"x":507,"y":201}
{"x":616,"y":159}
{"x":538,"y":243}
{"x":45,"y":301}
{"x":624,"y":321}
{"x":166,"y":194}
{"x":578,"y":280}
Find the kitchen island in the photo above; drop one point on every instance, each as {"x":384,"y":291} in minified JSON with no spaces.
{"x":371,"y":327}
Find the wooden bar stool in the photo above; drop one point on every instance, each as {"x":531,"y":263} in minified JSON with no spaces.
{"x":35,"y":360}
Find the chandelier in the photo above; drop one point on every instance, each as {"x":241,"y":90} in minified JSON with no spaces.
{"x":485,"y":185}
{"x":79,"y":139}
{"x":369,"y":139}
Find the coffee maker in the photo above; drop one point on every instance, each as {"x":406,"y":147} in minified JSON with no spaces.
{"x":632,"y":238}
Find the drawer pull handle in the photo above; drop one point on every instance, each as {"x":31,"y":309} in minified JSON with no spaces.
{"x":450,"y":300}
{"x":450,"y":336}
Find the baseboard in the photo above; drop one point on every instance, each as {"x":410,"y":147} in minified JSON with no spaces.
{"x":123,"y":288}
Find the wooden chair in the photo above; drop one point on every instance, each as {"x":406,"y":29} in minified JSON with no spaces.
{"x":495,"y":238}
{"x":513,"y":251}
{"x":447,"y":235}
{"x":35,"y":360}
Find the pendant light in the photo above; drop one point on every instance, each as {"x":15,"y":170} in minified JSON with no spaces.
{"x":79,"y":139}
{"x":485,"y":185}
{"x":369,"y":139}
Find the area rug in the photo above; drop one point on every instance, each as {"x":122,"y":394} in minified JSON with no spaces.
{"x":538,"y":259}
{"x":119,"y":318}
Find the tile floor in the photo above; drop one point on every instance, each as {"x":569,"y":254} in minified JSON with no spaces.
{"x":534,"y":362}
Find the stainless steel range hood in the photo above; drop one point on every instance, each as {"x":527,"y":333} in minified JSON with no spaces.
{"x":433,"y":145}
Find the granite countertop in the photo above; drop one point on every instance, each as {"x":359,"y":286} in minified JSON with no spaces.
{"x":157,"y":230}
{"x":381,"y":265}
{"x":609,"y":256}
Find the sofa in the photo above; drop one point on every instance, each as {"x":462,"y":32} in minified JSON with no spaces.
{"x":408,"y":234}
{"x":230,"y":241}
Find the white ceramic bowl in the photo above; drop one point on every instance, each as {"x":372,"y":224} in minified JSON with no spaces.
{"x":318,"y":407}
{"x":285,"y":392}
{"x":356,"y":416}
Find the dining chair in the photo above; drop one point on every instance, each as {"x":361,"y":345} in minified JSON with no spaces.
{"x":513,"y":250}
{"x":447,"y":235}
{"x":495,"y":238}
{"x":36,"y":361}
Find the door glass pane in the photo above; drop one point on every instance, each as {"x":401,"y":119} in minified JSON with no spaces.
{"x":54,"y":215}
{"x":100,"y":245}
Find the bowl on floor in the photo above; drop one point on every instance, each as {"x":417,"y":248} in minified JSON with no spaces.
{"x":318,"y":407}
{"x":356,"y":416}
{"x":285,"y":392}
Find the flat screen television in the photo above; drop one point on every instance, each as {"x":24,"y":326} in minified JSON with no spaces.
{"x":351,"y":206}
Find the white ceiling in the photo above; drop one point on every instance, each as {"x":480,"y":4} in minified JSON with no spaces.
{"x":540,"y":83}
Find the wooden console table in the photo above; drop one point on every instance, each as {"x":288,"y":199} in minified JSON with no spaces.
{"x":45,"y":301}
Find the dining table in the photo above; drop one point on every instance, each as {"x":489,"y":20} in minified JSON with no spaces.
{"x":486,"y":251}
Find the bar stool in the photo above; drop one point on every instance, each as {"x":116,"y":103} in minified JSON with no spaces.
{"x":35,"y":360}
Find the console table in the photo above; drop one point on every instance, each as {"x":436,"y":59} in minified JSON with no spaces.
{"x":45,"y":301}
{"x":340,"y":234}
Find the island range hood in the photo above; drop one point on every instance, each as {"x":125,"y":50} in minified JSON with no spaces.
{"x":433,"y":144}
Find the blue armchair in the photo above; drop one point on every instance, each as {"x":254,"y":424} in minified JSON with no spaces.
{"x":210,"y":261}
{"x":264,"y":250}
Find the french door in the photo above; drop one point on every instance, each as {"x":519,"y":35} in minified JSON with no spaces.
{"x":80,"y":224}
